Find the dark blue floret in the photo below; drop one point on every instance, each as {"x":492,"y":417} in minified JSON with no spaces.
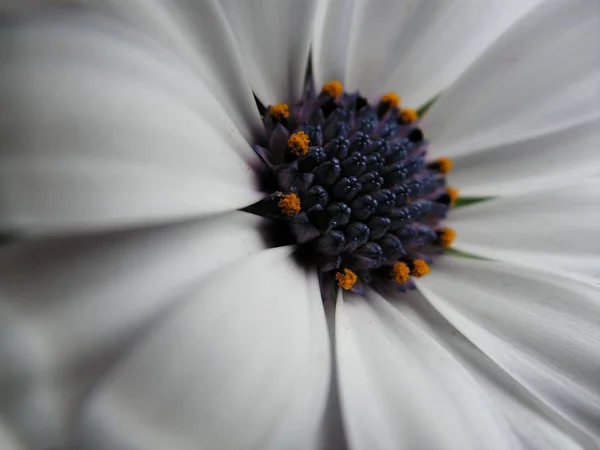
{"x":340,"y":212}
{"x":355,"y":164}
{"x":338,"y":148}
{"x":363,"y":207}
{"x":328,"y":172}
{"x":378,"y":226}
{"x":357,"y":234}
{"x":316,"y":195}
{"x":371,"y":182}
{"x":346,"y":189}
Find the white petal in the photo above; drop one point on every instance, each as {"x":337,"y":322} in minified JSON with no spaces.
{"x":530,"y":420}
{"x":333,"y":434}
{"x":331,"y":35}
{"x":14,"y":7}
{"x":414,"y":48}
{"x":273,"y":38}
{"x":198,"y":32}
{"x":244,"y":363}
{"x":8,"y":441}
{"x":69,"y":307}
{"x":107,"y":129}
{"x":543,"y":330}
{"x":553,"y":230}
{"x":542,"y":162}
{"x":400,"y":389}
{"x":540,"y":76}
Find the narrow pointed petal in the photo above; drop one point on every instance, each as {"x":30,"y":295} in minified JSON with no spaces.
{"x":539,"y":328}
{"x":400,"y":389}
{"x":333,"y":434}
{"x":70,"y":307}
{"x":541,"y":76}
{"x":555,"y":230}
{"x":273,"y":38}
{"x":414,"y":48}
{"x":542,"y":162}
{"x":247,"y":351}
{"x":532,"y":423}
{"x":106,"y":129}
{"x":198,"y":32}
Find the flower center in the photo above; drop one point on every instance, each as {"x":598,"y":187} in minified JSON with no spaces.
{"x":355,"y":188}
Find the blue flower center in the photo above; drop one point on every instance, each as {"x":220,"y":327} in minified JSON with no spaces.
{"x":355,"y":188}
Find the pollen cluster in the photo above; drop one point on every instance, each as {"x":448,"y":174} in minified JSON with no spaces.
{"x":452,"y":195}
{"x":355,"y":188}
{"x":289,"y":204}
{"x":391,"y":98}
{"x":409,"y":115}
{"x":279,"y":112}
{"x":333,"y":89}
{"x":420,"y":268}
{"x":298,"y":143}
{"x":446,"y":237}
{"x":400,"y":273}
{"x":346,"y":279}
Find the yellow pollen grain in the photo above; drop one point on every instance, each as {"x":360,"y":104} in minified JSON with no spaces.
{"x":444,"y":165}
{"x":409,"y":115}
{"x":333,"y":88}
{"x":346,"y":280}
{"x":400,"y":273}
{"x":299,"y":142}
{"x":391,"y":98}
{"x":420,"y":268}
{"x":289,"y":204}
{"x":453,"y":194}
{"x":446,"y":237}
{"x":279,"y":111}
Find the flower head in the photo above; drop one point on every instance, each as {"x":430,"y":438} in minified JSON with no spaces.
{"x":143,"y":306}
{"x":369,"y":198}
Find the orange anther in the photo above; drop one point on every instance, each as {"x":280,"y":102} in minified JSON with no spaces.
{"x":289,"y":204}
{"x":347,"y":279}
{"x":333,"y":88}
{"x":299,"y":142}
{"x":391,"y":98}
{"x":409,"y":115}
{"x":444,"y":165}
{"x":400,"y":273}
{"x":453,"y":194}
{"x":446,"y":237}
{"x":279,"y":111}
{"x":420,"y":268}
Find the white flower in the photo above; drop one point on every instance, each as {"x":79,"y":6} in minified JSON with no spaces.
{"x":140,"y":310}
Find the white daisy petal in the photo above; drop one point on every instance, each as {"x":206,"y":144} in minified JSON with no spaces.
{"x":539,"y":328}
{"x":331,"y":34}
{"x":273,"y":38}
{"x":401,"y":390}
{"x":8,"y":441}
{"x":198,"y":32}
{"x":14,"y":7}
{"x":414,"y":48}
{"x":555,"y":230}
{"x":105,"y":129}
{"x":541,"y":76}
{"x":69,"y":307}
{"x":333,"y":434}
{"x":542,"y":162}
{"x":530,"y":420}
{"x":244,"y":363}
